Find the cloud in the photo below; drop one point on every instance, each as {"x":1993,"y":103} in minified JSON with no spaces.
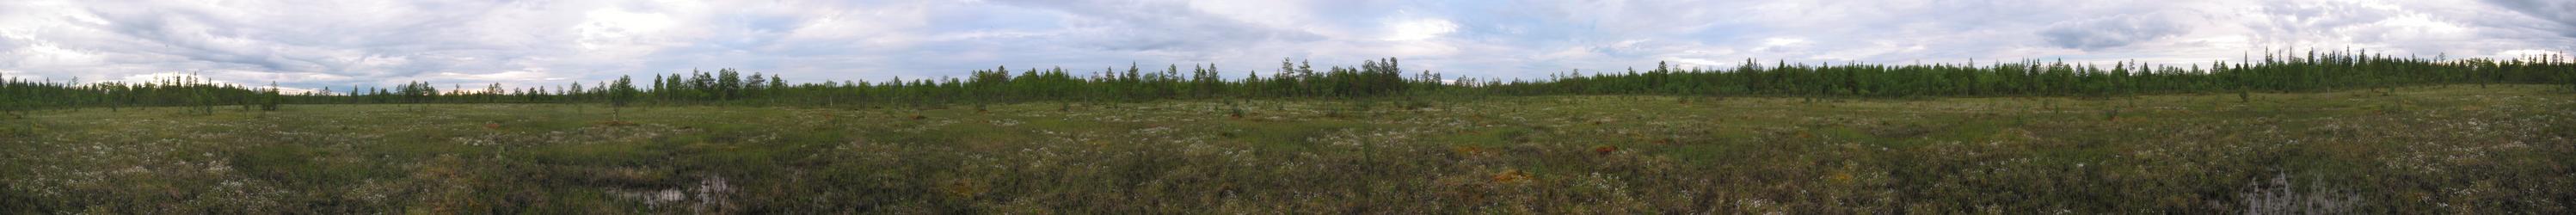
{"x":309,"y":45}
{"x":2110,"y":32}
{"x":1419,"y":29}
{"x":2562,"y":12}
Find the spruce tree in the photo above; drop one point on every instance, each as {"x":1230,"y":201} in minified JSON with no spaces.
{"x":273,"y":98}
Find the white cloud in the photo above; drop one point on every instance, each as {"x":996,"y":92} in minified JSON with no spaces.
{"x":526,"y":43}
{"x":1783,"y":44}
{"x":614,"y":27}
{"x":522,"y":75}
{"x":1419,"y":29}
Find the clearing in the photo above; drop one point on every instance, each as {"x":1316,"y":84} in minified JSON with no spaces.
{"x":2447,"y":149}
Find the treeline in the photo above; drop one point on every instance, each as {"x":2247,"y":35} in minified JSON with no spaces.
{"x":2272,"y":73}
{"x":1373,"y":78}
{"x":18,"y":95}
{"x":1377,"y":78}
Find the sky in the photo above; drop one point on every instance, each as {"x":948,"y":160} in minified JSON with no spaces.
{"x":307,"y":45}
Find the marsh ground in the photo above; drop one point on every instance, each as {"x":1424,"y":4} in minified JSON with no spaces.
{"x":2451,"y":149}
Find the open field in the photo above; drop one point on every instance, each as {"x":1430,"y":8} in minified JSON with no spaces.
{"x":2445,"y":149}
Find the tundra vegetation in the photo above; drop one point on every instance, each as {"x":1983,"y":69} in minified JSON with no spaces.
{"x":2328,"y":133}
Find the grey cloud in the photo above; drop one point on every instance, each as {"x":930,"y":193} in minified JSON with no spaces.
{"x":1160,"y":26}
{"x":8,"y":45}
{"x":172,"y":32}
{"x":2559,"y":11}
{"x":312,"y":39}
{"x":2110,"y":32}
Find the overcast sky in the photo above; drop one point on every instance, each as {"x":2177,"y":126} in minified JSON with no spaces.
{"x":315,"y":44}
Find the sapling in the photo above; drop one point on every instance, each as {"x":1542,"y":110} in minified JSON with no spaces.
{"x":2243,"y":96}
{"x":621,"y":93}
{"x":2111,"y":114}
{"x":273,"y":99}
{"x":1234,"y":109}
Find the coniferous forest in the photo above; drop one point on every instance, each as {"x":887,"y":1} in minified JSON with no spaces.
{"x":1372,"y":79}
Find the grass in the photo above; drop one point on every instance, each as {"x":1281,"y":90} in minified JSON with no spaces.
{"x":2420,"y":150}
